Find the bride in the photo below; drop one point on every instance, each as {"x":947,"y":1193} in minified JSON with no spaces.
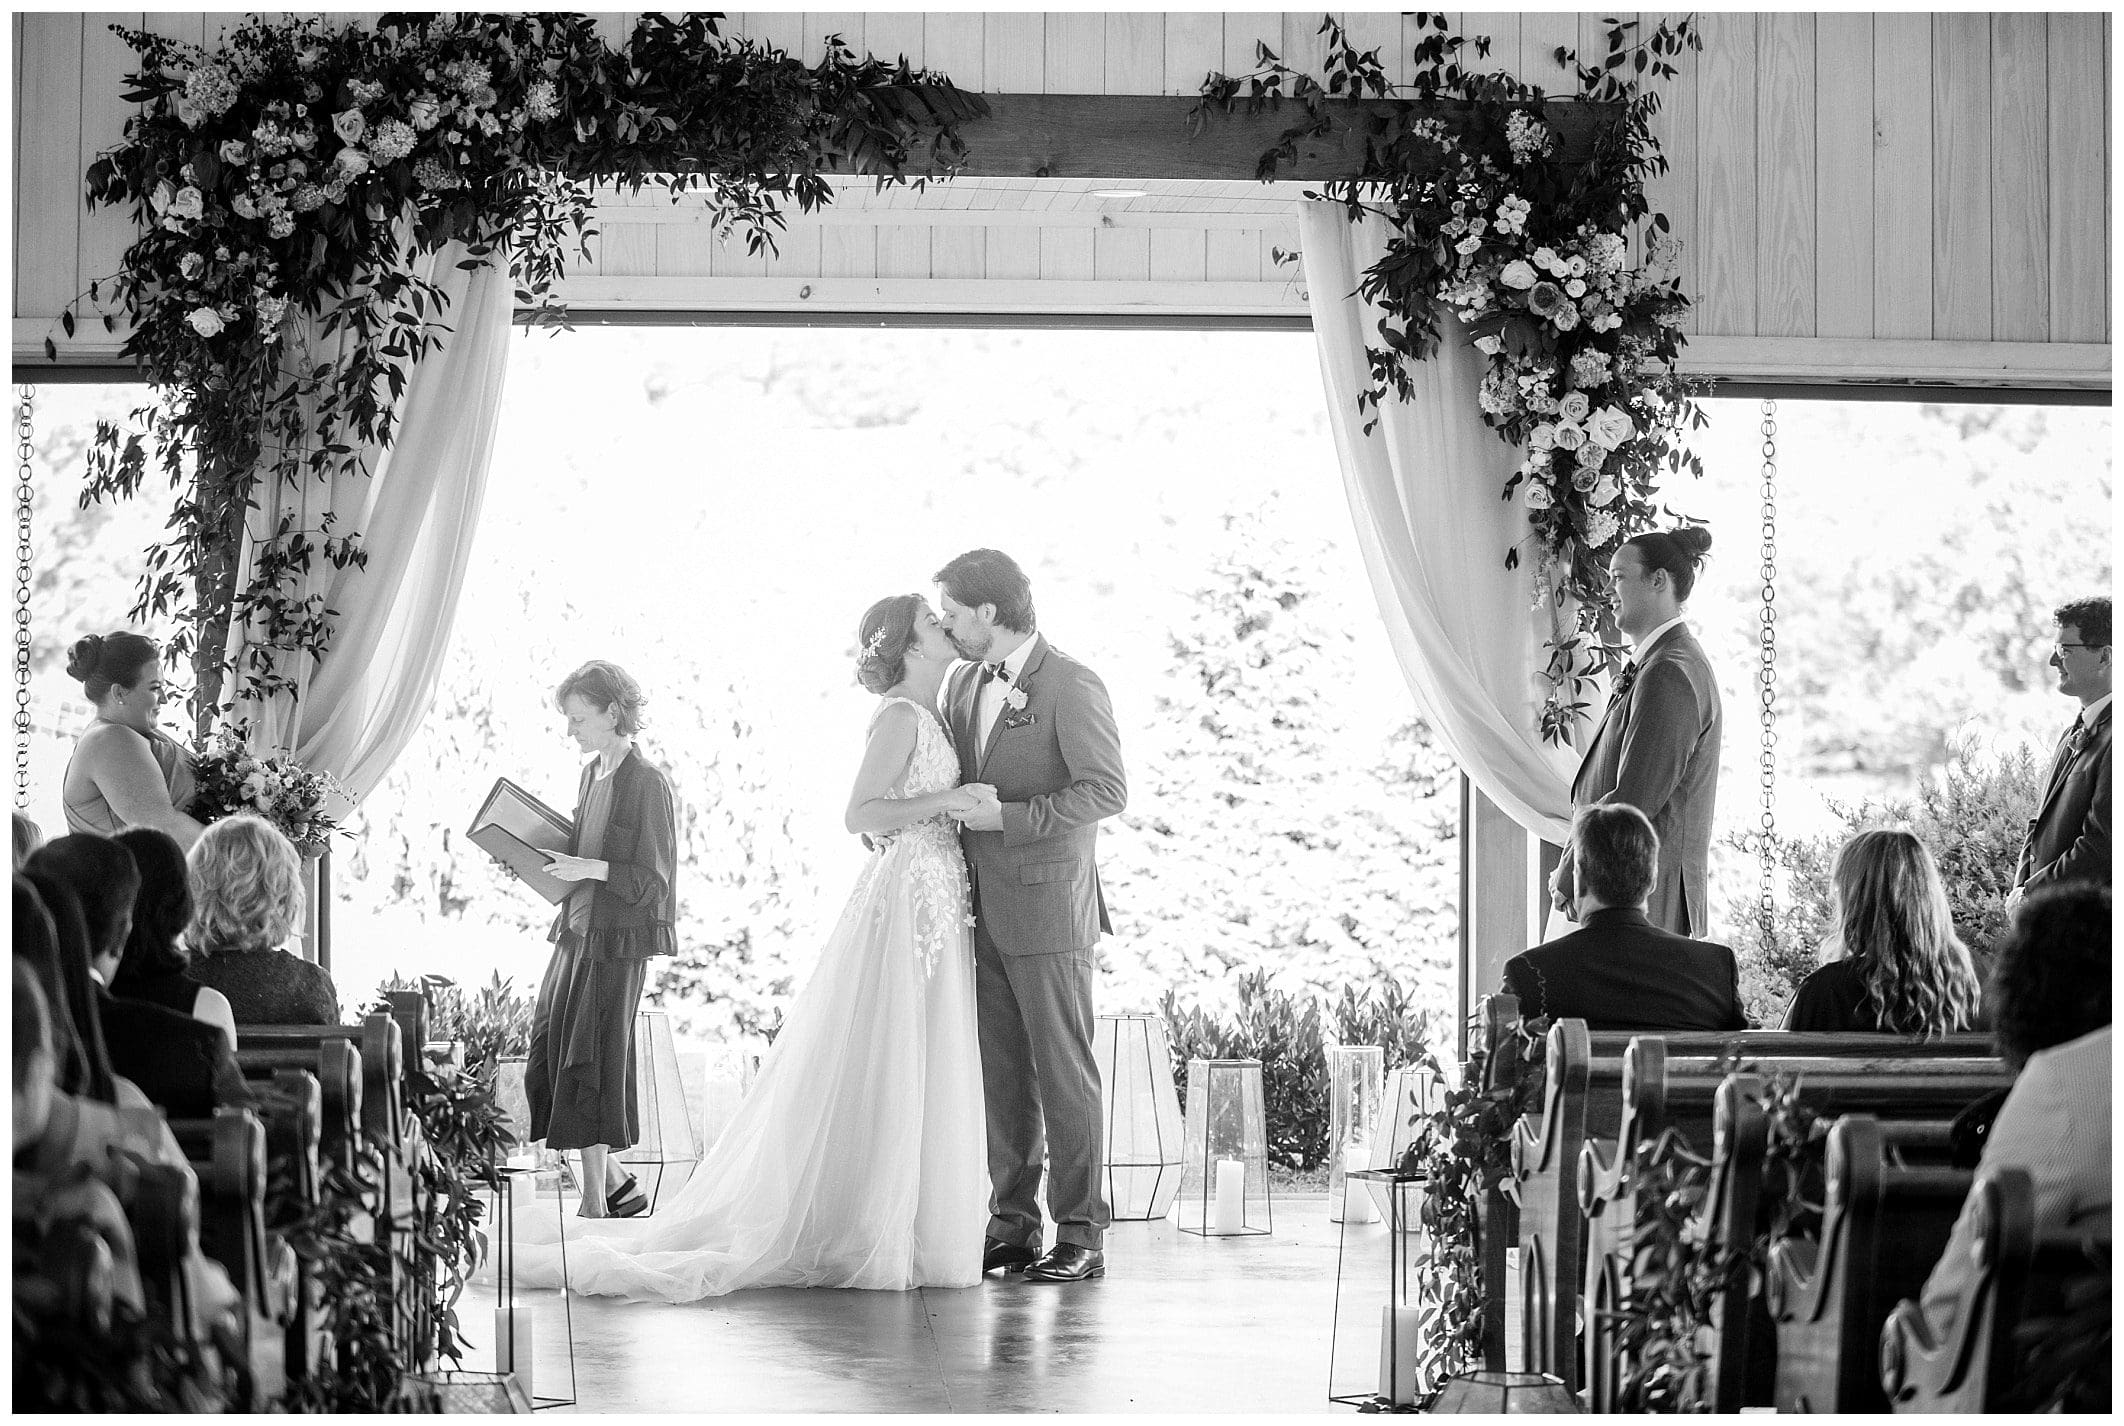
{"x":858,"y":1158}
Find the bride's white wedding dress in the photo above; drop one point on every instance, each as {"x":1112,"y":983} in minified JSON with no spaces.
{"x":858,"y":1159}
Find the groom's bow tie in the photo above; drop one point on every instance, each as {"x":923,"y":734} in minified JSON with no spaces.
{"x":996,"y":670}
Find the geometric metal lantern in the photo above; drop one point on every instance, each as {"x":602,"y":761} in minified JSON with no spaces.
{"x":1224,"y":1188}
{"x":1143,"y":1129}
{"x":1375,"y":1338}
{"x":670,"y":1138}
{"x":1356,"y":1082}
{"x":1413,"y":1093}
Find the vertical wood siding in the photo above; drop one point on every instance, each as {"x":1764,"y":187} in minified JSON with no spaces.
{"x":1833,"y":175}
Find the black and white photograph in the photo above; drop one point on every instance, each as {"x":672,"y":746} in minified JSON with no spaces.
{"x":1259,"y":713}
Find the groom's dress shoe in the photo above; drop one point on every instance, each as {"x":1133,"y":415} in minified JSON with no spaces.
{"x":1068,"y":1262}
{"x":1007,"y":1256}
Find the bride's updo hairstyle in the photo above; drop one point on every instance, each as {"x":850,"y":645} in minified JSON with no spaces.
{"x":1679,"y":552}
{"x":885,"y":633}
{"x":103,"y":660}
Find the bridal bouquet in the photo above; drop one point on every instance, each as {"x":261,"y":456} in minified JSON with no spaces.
{"x":293,"y":798}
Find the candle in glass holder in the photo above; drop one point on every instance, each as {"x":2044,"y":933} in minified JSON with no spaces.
{"x":1357,"y":1205}
{"x":1231,"y":1196}
{"x":1397,"y":1355}
{"x":512,"y":1344}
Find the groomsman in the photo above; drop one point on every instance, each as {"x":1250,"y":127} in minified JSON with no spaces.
{"x":1657,"y":747}
{"x":2068,"y":838}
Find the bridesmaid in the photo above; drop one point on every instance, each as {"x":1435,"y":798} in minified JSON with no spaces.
{"x":126,"y":772}
{"x":624,"y":861}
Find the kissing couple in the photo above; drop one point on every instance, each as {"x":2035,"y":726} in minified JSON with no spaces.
{"x":939,"y":1059}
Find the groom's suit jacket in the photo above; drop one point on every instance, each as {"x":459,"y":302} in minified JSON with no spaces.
{"x":1056,"y":767}
{"x":2068,"y":838}
{"x":1657,"y":749}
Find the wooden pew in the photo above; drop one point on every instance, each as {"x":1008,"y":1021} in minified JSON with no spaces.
{"x":291,"y":1104}
{"x":1581,"y":1108}
{"x":1976,"y":1364}
{"x":228,"y":1157}
{"x":1713,"y":1113}
{"x":1884,"y":1224}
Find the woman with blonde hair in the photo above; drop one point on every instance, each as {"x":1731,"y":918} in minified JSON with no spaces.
{"x":246,"y":900}
{"x":1899,"y":968}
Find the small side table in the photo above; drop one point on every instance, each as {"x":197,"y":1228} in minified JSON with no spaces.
{"x":512,"y":1326}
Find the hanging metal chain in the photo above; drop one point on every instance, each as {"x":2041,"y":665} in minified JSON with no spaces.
{"x":1766,"y":687}
{"x":25,"y":447}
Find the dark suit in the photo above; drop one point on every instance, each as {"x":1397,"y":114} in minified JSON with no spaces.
{"x":2068,"y":838}
{"x":1657,"y":749}
{"x":186,"y":1066}
{"x":1038,"y":914}
{"x":1620,"y":972}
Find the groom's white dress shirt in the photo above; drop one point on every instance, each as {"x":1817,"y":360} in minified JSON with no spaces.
{"x":995,"y":690}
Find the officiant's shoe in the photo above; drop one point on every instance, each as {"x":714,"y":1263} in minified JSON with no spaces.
{"x":1007,"y":1256}
{"x":1068,"y":1262}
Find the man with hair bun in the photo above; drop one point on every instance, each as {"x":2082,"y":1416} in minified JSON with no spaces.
{"x":2068,"y":838}
{"x":1657,"y":746}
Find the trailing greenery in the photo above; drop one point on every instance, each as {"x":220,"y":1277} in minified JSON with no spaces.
{"x":466,"y":1135}
{"x":1497,"y":217}
{"x":490,"y":1025}
{"x":1972,"y":816}
{"x":1463,"y":1150}
{"x":290,"y":183}
{"x":1289,"y":1034}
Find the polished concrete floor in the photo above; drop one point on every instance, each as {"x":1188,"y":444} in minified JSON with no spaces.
{"x":1179,"y":1324}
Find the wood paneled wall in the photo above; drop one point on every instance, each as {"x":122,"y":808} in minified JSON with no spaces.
{"x":1850,"y":188}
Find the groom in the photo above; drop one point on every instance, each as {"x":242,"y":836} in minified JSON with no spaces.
{"x":1036,"y":724}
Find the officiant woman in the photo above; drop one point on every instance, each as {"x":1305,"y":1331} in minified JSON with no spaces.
{"x":623,"y":860}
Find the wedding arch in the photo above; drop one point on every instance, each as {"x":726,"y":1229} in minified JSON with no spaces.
{"x":1967,"y":253}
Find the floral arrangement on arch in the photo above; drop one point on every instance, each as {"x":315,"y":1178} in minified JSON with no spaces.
{"x":290,"y":181}
{"x":1527,"y":222}
{"x":293,"y":798}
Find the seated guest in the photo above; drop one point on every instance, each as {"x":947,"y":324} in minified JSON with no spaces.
{"x":2051,"y":983}
{"x":246,"y":899}
{"x":184,"y":1065}
{"x":153,"y":968}
{"x":61,"y":1140}
{"x":59,"y":958}
{"x":28,"y":837}
{"x":1619,"y":971}
{"x":1899,"y":969}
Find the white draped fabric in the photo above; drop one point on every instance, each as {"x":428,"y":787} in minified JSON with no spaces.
{"x":416,"y":513}
{"x":1425,"y":491}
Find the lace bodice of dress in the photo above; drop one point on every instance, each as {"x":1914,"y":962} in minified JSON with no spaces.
{"x":926,"y":853}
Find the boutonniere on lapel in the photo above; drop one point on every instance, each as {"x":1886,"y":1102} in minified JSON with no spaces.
{"x":1014,"y":714}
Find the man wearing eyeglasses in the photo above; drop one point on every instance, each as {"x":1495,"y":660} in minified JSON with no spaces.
{"x":2068,"y":838}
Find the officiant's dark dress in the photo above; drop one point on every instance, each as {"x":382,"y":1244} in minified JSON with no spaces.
{"x":580,"y":1077}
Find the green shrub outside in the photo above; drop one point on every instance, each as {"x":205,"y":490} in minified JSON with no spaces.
{"x":1972,"y":818}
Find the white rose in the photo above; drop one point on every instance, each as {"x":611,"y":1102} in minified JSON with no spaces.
{"x":1468,"y":245}
{"x":1490,"y":345}
{"x":1575,"y":406}
{"x":1546,"y":257}
{"x":1569,"y":435}
{"x":190,"y":266}
{"x":189,"y":203}
{"x":1611,"y":426}
{"x":1518,"y":275}
{"x":1538,"y":495}
{"x":1576,"y":287}
{"x":425,"y":113}
{"x":352,"y":162}
{"x":205,"y":321}
{"x":243,"y":205}
{"x":1603,"y":492}
{"x":233,"y":151}
{"x":349,"y":125}
{"x":1542,"y":437}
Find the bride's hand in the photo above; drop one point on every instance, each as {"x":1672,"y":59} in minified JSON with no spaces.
{"x":971,"y":795}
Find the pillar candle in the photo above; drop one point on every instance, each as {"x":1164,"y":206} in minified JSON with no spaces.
{"x":1357,"y":1204}
{"x":1397,"y":1355}
{"x":512,"y":1344}
{"x":1231,"y":1196}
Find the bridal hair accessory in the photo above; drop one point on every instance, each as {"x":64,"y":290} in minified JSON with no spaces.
{"x":875,"y":643}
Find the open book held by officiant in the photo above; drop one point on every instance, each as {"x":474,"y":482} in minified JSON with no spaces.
{"x":522,"y":833}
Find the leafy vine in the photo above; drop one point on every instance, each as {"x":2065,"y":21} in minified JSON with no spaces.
{"x":288,"y":186}
{"x":1524,"y":232}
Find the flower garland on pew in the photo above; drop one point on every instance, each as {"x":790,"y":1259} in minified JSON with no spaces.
{"x":1663,"y":1323}
{"x":295,"y":172}
{"x":1498,"y":220}
{"x":1464,"y":1149}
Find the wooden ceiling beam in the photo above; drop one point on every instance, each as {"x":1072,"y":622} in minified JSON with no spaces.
{"x":1119,"y":136}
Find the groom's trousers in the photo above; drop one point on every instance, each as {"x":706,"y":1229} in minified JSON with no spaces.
{"x":1042,"y":1089}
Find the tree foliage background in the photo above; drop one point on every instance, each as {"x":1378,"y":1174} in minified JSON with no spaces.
{"x":714,"y":510}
